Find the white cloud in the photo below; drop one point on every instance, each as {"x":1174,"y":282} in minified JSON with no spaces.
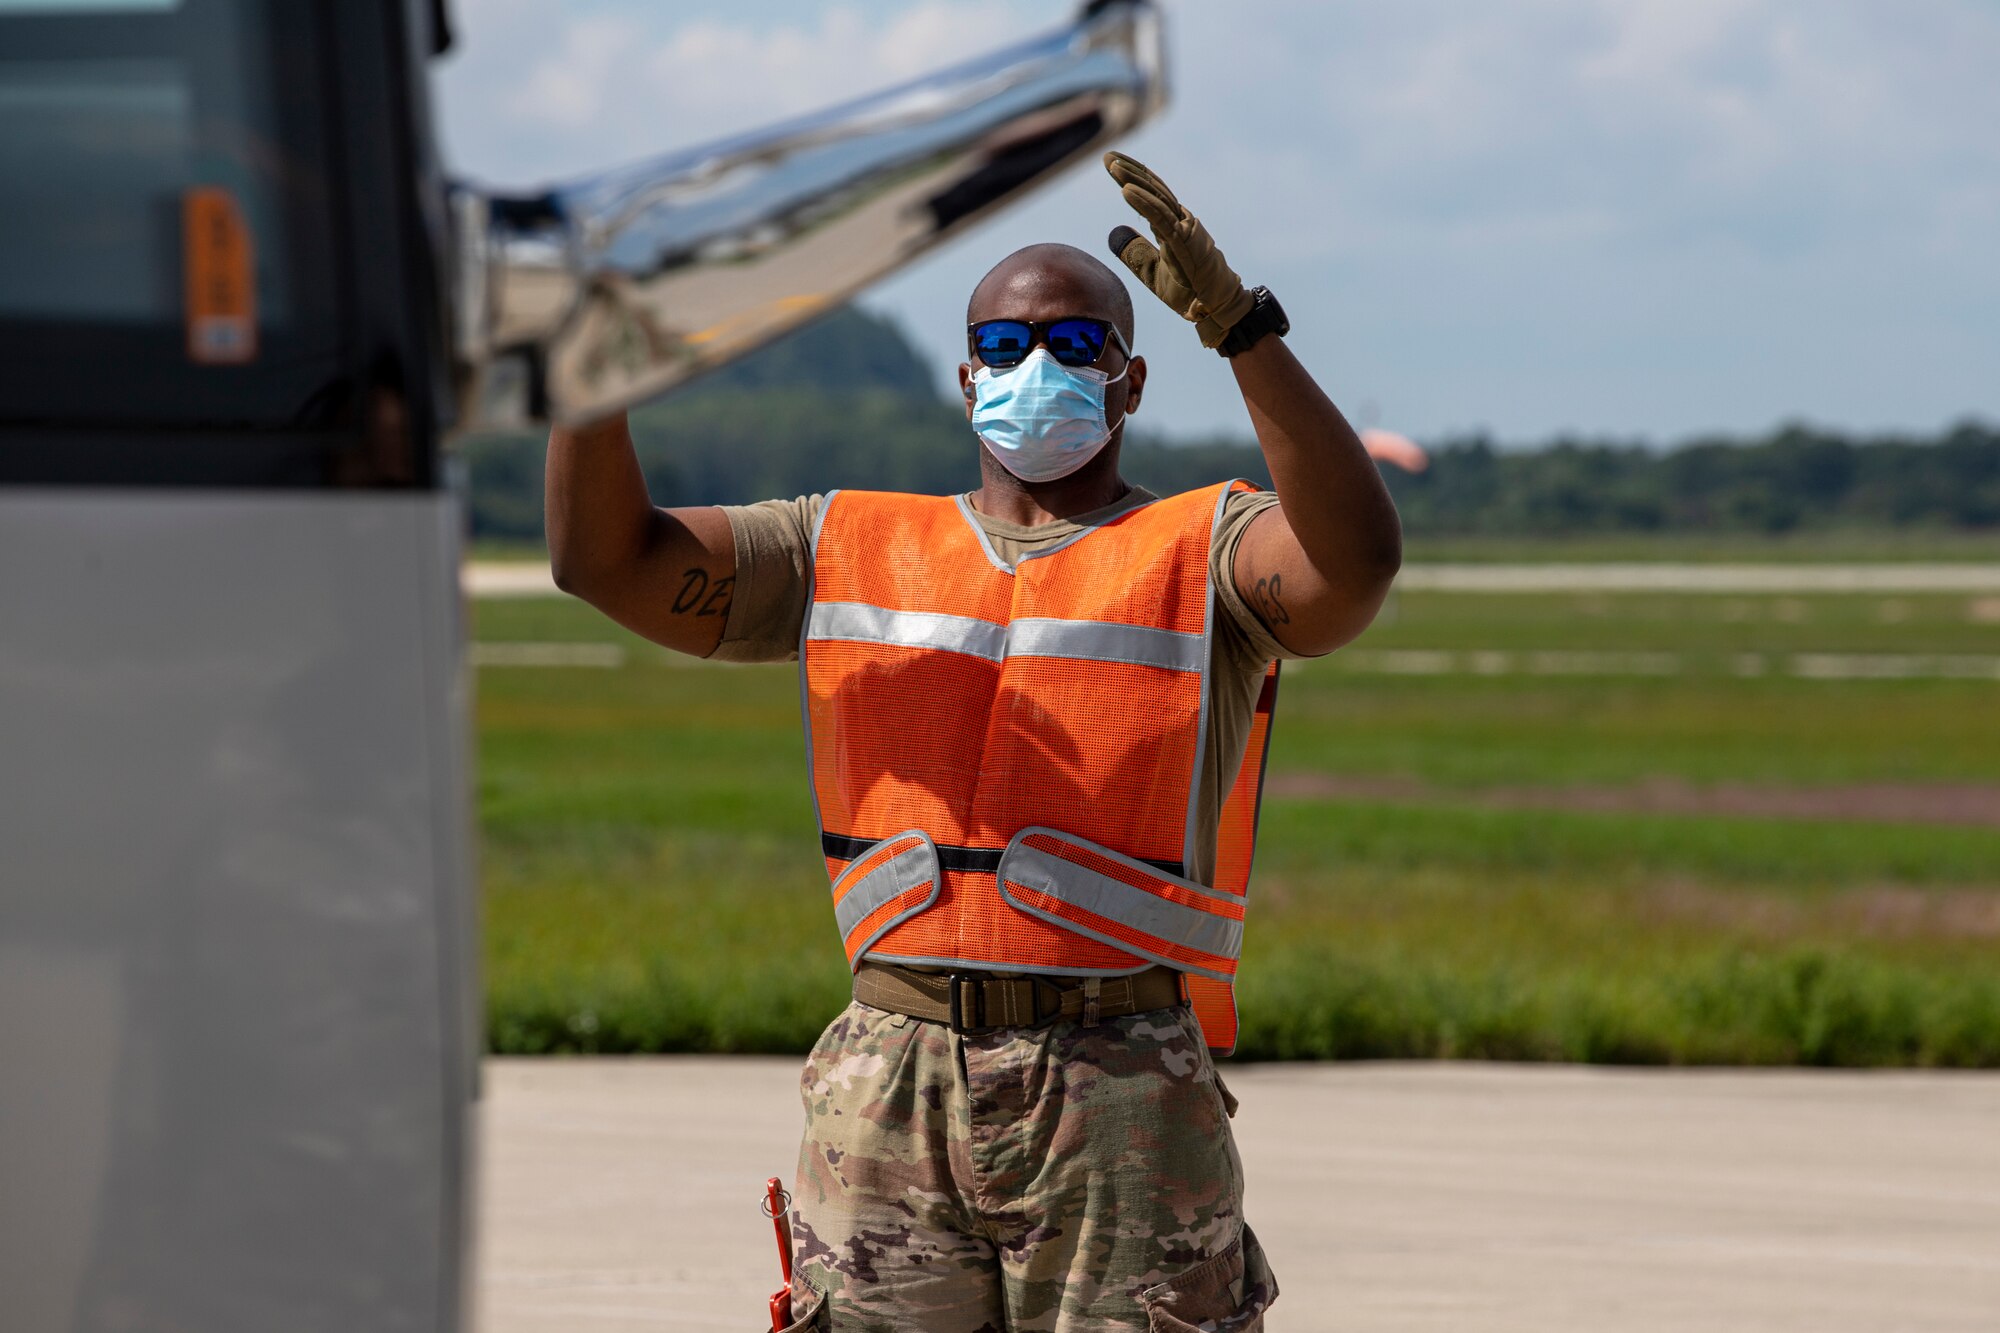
{"x":733,"y":75}
{"x":1653,"y":215}
{"x":594,"y":84}
{"x":573,"y":88}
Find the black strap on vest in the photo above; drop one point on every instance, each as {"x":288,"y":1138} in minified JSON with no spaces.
{"x":986,"y":859}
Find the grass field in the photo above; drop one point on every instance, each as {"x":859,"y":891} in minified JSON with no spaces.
{"x":1615,"y":828}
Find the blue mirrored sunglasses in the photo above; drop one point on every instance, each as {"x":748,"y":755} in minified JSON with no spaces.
{"x":1076,"y":340}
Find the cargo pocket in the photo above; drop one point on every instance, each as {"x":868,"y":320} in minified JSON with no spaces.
{"x":1223,"y":1096}
{"x":1229,"y":1102}
{"x":1226,"y":1294}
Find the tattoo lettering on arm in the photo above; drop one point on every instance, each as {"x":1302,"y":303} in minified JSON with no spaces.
{"x":701,"y":595}
{"x":1264,"y":600}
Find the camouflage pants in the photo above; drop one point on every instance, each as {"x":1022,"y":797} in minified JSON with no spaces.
{"x":1065,"y":1179}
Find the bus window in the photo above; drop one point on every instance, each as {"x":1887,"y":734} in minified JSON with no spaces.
{"x":171,"y":258}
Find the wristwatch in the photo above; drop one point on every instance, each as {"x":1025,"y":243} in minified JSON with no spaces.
{"x":1267,"y":316}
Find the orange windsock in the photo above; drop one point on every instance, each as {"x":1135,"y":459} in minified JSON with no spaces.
{"x":1386,"y":446}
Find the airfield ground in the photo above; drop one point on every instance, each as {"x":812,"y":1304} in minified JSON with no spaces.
{"x":1617,"y":822}
{"x":1393,"y":1198}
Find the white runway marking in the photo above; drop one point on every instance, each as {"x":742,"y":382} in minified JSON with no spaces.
{"x":1491,"y":662}
{"x":497,"y":578}
{"x":1801,"y":666}
{"x":1895,"y":666}
{"x":508,"y":578}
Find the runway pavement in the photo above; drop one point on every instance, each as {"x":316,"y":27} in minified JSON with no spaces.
{"x":622,"y":1195}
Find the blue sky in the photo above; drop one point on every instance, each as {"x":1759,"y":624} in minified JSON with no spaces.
{"x":1638,"y":218}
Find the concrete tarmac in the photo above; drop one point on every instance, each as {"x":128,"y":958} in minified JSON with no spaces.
{"x":622,"y":1195}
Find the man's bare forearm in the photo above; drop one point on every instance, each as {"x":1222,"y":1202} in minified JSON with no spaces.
{"x":1318,"y":575}
{"x":1330,"y":488}
{"x":1316,"y":568}
{"x":667,"y":574}
{"x":599,"y":516}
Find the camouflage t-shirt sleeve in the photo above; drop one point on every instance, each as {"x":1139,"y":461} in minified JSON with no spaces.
{"x":773,"y":575}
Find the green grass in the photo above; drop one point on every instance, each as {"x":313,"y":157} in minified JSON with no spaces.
{"x":651,"y":879}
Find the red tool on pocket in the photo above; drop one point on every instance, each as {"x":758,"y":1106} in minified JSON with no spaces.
{"x":776,"y":1205}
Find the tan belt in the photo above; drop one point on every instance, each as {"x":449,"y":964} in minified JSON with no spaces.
{"x":975,"y":1002}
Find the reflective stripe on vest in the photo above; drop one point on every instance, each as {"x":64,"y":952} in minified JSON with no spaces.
{"x":891,"y":881}
{"x":1096,"y":892}
{"x":1084,"y":640}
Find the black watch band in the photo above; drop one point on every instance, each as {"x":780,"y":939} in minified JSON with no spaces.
{"x":1267,"y":316}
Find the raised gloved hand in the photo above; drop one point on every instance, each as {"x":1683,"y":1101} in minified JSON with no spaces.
{"x":1185,"y":269}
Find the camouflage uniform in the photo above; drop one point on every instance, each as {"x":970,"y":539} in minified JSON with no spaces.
{"x":1064,"y":1179}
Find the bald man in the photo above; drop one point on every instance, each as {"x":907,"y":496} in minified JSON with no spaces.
{"x":1030,"y":713}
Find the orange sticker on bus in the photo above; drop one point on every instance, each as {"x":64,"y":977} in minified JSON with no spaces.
{"x":221,"y":278}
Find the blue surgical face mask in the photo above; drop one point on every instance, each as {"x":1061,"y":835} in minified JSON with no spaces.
{"x":1043,"y":420}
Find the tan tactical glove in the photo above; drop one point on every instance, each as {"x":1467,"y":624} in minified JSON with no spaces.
{"x":1185,"y":270}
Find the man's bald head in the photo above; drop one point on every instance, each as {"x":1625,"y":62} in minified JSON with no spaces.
{"x":1048,"y":281}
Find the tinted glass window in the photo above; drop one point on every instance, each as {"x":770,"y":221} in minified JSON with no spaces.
{"x":169,"y":253}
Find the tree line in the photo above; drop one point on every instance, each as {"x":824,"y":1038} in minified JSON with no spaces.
{"x":847,"y":402}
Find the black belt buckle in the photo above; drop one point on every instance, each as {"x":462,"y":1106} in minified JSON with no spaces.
{"x":956,"y":1021}
{"x":1044,"y":990}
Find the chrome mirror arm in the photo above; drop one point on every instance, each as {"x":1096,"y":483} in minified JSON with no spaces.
{"x":590,"y":296}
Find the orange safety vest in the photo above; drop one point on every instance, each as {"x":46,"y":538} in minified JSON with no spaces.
{"x":1005,"y":758}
